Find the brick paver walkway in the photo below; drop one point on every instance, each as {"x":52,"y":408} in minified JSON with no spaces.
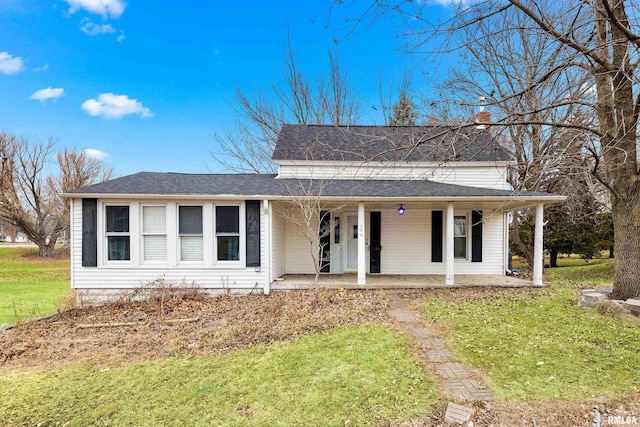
{"x":458,"y":380}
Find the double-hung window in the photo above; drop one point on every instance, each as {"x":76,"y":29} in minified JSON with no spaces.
{"x":117,"y":233}
{"x":154,"y":233}
{"x":460,"y":237}
{"x":190,"y":231}
{"x":228,"y":233}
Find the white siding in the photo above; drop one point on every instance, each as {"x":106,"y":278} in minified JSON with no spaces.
{"x":135,"y":274}
{"x":484,"y":175}
{"x":298,"y":259}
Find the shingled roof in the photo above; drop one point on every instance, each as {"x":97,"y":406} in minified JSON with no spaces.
{"x":267,"y":185}
{"x":387,"y":143}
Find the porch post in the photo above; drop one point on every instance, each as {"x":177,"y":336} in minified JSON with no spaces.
{"x":362,"y":264}
{"x":268,"y":268}
{"x":449,"y":259}
{"x":538,"y":259}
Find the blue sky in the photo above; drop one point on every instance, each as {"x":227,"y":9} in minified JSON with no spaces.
{"x":146,"y":83}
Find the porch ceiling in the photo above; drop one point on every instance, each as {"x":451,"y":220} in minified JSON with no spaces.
{"x":437,"y":205}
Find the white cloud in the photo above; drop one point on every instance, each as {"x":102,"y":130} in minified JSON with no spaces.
{"x":94,"y":29}
{"x":48,"y":93}
{"x":121,"y":36}
{"x":112,"y":106}
{"x":10,"y":64}
{"x":95,"y":153}
{"x":43,"y":69}
{"x":105,"y":8}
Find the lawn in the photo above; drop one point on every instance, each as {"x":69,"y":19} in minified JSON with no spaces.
{"x":541,"y":346}
{"x":30,"y":287}
{"x":358,"y":375}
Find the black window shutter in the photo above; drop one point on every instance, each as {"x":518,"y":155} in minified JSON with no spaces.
{"x":89,"y":232}
{"x":253,"y":232}
{"x":476,"y":236}
{"x":436,"y":236}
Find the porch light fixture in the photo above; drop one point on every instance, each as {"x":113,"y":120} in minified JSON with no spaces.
{"x":401,"y":210}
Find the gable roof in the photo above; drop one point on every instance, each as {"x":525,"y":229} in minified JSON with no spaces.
{"x":387,"y":143}
{"x":267,"y":185}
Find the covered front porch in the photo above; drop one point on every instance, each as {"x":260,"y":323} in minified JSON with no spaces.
{"x":401,"y":243}
{"x":398,"y":281}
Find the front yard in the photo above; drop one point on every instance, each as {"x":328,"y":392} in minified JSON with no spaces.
{"x":279,"y":359}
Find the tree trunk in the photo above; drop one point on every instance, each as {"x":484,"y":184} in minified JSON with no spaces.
{"x":46,"y":250}
{"x":626,"y":220}
{"x":553,"y":258}
{"x":611,"y":251}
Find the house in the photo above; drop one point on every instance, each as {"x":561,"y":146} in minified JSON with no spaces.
{"x":420,"y":200}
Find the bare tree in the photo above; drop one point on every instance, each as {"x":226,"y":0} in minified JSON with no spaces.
{"x":294,"y":99}
{"x":597,"y":37}
{"x":30,"y":200}
{"x":310,"y":214}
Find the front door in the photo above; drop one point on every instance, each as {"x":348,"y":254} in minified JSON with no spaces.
{"x":352,"y":243}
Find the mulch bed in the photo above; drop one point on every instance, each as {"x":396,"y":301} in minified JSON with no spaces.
{"x":224,"y":324}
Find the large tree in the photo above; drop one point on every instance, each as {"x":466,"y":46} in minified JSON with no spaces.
{"x":291,"y":98}
{"x":30,"y":198}
{"x":598,"y":37}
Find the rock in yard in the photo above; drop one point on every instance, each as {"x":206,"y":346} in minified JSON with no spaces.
{"x":607,"y":290}
{"x":588,"y":291}
{"x":594,"y":297}
{"x":457,"y":414}
{"x":633,"y":305}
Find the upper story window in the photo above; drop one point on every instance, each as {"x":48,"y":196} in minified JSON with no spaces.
{"x":117,"y":233}
{"x":190,"y":231}
{"x":228,"y":233}
{"x":154,"y":233}
{"x":460,"y":237}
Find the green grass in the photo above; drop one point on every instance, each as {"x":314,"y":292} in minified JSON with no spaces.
{"x":362,"y":374}
{"x":29,"y":287}
{"x":542,"y":346}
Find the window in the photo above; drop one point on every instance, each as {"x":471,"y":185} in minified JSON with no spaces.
{"x":228,"y":233}
{"x":154,"y":233}
{"x":117,"y":233}
{"x":460,"y":236}
{"x":190,"y":231}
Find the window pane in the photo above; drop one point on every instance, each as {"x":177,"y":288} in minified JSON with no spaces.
{"x":460,"y":247}
{"x":190,"y":219}
{"x":118,"y":248}
{"x":155,"y":248}
{"x":228,"y":248}
{"x":460,"y":226}
{"x":228,"y":219}
{"x":117,"y":219}
{"x":153,"y":219}
{"x":191,"y":248}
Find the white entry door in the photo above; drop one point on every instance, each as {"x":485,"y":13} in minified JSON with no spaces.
{"x":352,"y":243}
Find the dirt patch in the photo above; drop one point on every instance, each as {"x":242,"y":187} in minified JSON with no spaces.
{"x":416,"y":299}
{"x":543,"y":414}
{"x":223,"y":324}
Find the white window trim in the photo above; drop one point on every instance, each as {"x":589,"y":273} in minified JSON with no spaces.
{"x":242,"y":233}
{"x":179,"y":236}
{"x":143,"y":234}
{"x":105,"y":235}
{"x":467,"y":236}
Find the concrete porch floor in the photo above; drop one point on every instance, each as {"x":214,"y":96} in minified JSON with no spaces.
{"x":393,"y":281}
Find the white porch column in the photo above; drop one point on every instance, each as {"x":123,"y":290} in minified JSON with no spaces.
{"x":538,"y":259}
{"x":449,"y":259}
{"x":362,"y":263}
{"x":268,"y":268}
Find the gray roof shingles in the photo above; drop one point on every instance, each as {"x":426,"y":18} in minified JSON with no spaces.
{"x":155,"y":183}
{"x":387,"y":143}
